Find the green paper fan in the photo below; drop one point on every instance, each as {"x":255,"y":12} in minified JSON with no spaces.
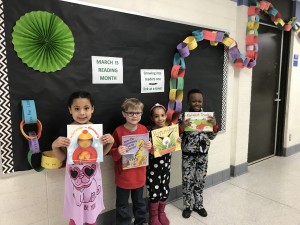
{"x":43,"y":41}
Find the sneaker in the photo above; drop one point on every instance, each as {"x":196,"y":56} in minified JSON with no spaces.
{"x":202,"y":212}
{"x":186,"y":213}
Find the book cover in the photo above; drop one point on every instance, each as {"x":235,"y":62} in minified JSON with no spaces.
{"x":85,"y":146}
{"x":137,"y":155}
{"x":199,"y":121}
{"x":165,"y":140}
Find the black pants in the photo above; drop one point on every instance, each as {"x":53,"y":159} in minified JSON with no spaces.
{"x":123,"y":215}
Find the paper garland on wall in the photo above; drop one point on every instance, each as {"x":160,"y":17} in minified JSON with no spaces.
{"x":215,"y":38}
{"x":43,"y":41}
{"x":37,"y":159}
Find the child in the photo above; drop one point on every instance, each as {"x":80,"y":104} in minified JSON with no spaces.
{"x":158,"y":174}
{"x":130,"y":181}
{"x":82,"y":181}
{"x":195,"y":146}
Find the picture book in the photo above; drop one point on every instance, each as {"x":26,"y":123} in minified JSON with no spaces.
{"x":165,"y":140}
{"x":137,"y":155}
{"x":199,"y":121}
{"x":85,"y":146}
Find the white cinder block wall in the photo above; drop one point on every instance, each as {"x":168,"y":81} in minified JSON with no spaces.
{"x":37,"y":198}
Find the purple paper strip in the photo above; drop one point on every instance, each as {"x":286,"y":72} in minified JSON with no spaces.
{"x":33,"y":142}
{"x":178,"y":106}
{"x":252,"y":63}
{"x":234,"y":53}
{"x":171,"y":105}
{"x":183,"y":49}
{"x":246,"y":61}
{"x":219,"y":36}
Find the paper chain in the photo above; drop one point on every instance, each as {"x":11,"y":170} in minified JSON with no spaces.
{"x":216,"y":37}
{"x":47,"y":159}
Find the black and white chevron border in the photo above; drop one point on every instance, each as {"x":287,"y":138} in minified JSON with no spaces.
{"x":5,"y":115}
{"x":224,"y":89}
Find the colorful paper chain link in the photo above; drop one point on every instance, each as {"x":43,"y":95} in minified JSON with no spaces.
{"x":45,"y":159}
{"x":216,"y":37}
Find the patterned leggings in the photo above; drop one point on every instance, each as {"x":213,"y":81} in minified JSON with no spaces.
{"x":158,"y":177}
{"x":194,"y":169}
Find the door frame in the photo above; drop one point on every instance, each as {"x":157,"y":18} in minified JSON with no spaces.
{"x":281,"y":94}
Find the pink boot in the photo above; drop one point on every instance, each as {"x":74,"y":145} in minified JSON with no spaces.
{"x":163,"y":219}
{"x":153,"y":213}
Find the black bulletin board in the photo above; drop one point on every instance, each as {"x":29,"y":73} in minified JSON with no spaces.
{"x":142,"y":42}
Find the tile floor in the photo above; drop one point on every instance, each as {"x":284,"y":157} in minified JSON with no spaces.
{"x":269,"y":194}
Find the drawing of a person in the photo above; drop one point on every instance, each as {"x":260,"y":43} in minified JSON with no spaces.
{"x":85,"y":152}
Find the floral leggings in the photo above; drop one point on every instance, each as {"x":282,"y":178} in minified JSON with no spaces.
{"x":194,"y":169}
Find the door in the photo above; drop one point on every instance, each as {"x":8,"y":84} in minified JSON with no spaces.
{"x":265,"y":94}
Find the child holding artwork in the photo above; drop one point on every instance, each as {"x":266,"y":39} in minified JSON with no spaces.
{"x":129,"y":181}
{"x":83,"y":199}
{"x":195,"y":146}
{"x":158,"y":174}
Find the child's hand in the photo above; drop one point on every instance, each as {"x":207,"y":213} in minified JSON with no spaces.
{"x":212,"y":119}
{"x":122,"y":149}
{"x":186,"y":123}
{"x":107,"y":139}
{"x":179,"y":140}
{"x":148,"y":145}
{"x":61,"y":142}
{"x":152,"y":150}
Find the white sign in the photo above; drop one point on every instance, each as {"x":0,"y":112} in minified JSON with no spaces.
{"x":107,"y":70}
{"x":152,"y":81}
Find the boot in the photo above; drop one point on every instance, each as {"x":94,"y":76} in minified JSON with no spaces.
{"x":153,"y":213}
{"x":163,"y":219}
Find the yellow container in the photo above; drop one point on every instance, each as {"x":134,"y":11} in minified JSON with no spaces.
{"x":49,"y":161}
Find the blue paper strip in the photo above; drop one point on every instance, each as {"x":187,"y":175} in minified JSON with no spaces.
{"x":28,"y":111}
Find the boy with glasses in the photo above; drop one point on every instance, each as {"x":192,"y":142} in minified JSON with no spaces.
{"x":129,"y":181}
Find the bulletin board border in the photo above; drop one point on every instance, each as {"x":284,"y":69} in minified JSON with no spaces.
{"x":224,"y":89}
{"x":5,"y":119}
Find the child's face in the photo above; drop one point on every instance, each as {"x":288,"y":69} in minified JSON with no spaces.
{"x":133,"y":115}
{"x":196,"y":102}
{"x":81,"y":110}
{"x":159,"y":117}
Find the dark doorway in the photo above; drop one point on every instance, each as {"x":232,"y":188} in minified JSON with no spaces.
{"x":265,"y":101}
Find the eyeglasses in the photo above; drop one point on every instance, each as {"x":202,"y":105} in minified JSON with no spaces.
{"x":131,"y":114}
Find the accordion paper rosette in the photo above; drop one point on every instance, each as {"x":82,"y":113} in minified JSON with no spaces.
{"x":43,"y":41}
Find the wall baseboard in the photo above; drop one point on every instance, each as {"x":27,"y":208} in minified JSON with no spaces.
{"x":291,"y":150}
{"x":238,"y":169}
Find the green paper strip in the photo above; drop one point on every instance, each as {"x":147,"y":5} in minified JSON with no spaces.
{"x":172,"y":83}
{"x":180,"y":83}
